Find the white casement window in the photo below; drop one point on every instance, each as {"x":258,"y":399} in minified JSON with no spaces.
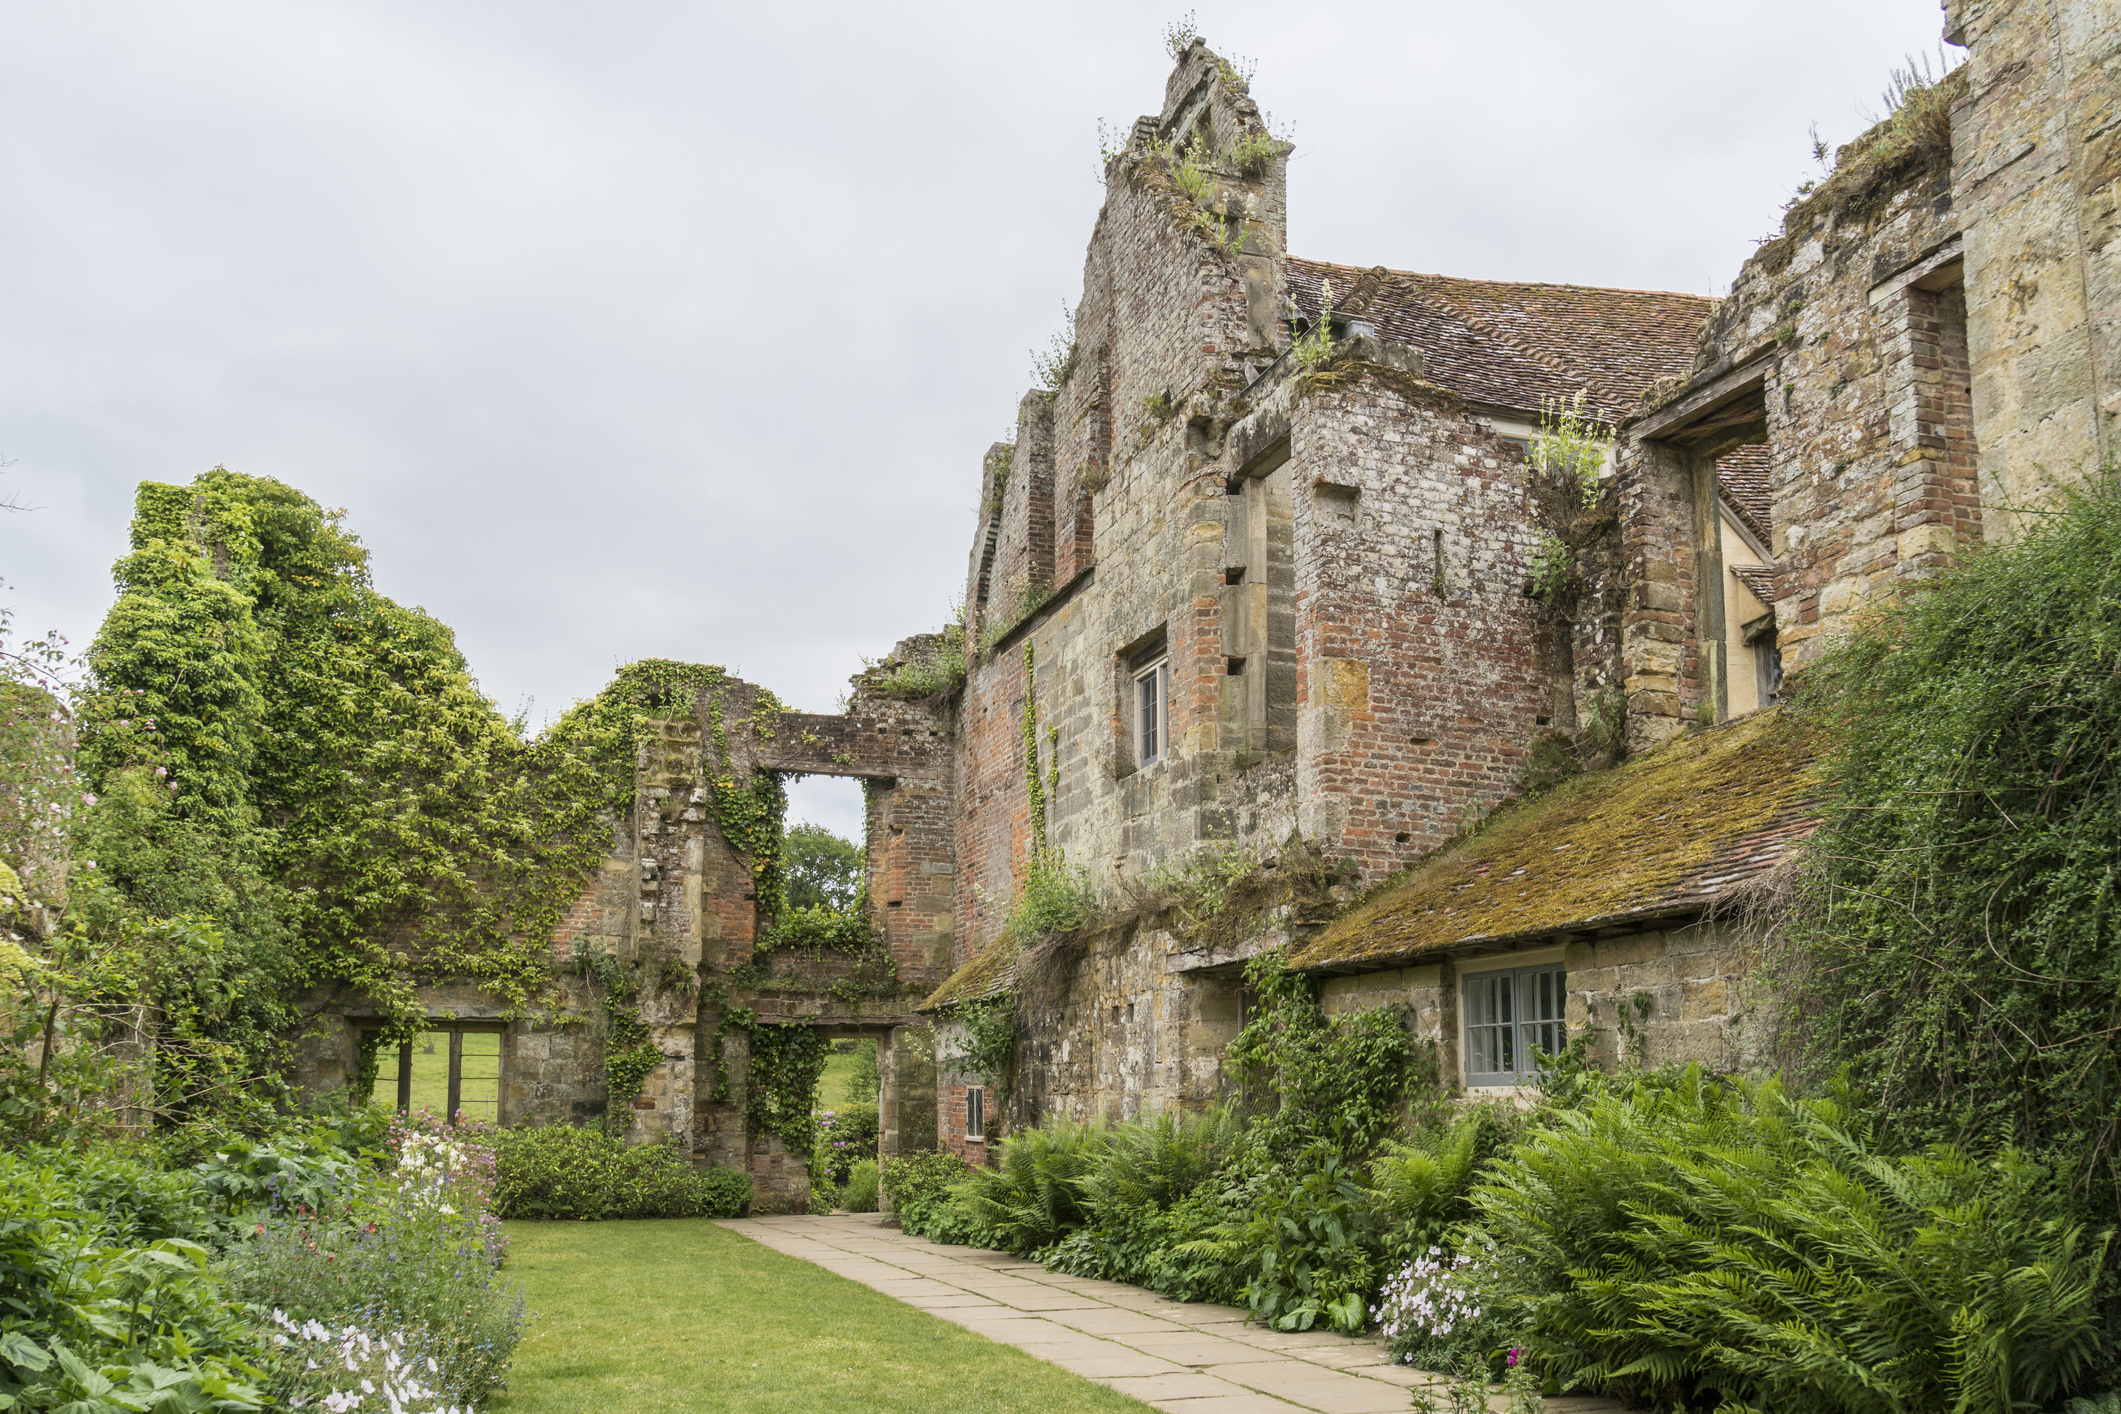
{"x":1152,"y":727}
{"x":1510,"y":1017}
{"x":976,"y":1114}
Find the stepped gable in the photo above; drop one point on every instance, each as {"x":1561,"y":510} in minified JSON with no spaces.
{"x":1663,"y":836}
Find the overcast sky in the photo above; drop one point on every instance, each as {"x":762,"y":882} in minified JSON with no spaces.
{"x":672,"y":329}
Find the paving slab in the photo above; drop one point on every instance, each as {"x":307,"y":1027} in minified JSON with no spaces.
{"x":1193,"y":1348}
{"x":1176,"y":1356}
{"x":1190,"y":1385}
{"x":1246,"y":1403}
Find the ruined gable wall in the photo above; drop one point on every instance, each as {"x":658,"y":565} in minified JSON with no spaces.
{"x":1420,"y":683}
{"x":1867,"y":422}
{"x":1163,"y":330}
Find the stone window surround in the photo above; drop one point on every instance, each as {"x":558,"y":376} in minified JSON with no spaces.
{"x":1530,"y":960}
{"x":1147,"y":657}
{"x":975,"y":1114}
{"x":456,"y":1030}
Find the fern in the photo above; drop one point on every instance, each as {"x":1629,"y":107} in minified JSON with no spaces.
{"x":1692,"y":1239}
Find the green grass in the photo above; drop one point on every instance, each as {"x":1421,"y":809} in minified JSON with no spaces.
{"x":683,"y":1315}
{"x":481,"y":1074}
{"x":832,"y":1085}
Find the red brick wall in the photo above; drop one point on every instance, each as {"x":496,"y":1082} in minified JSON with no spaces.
{"x":1415,"y":707}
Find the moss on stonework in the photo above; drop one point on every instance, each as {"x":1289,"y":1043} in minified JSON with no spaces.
{"x":1910,"y":146}
{"x":991,"y":971}
{"x":1341,"y":373}
{"x":1661,"y":834}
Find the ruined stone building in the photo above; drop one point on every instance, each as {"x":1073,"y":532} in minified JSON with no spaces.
{"x":1265,"y":577}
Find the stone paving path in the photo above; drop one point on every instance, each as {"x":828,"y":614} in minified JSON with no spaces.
{"x":1187,"y":1358}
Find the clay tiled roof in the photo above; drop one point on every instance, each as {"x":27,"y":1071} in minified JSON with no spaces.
{"x":1512,"y":344}
{"x":1665,"y":835}
{"x":1743,"y":474}
{"x":1758,"y":578}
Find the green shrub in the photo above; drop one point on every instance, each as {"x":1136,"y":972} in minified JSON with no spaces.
{"x":1054,"y":898}
{"x":845,"y":1137}
{"x":1955,"y":935}
{"x":1151,"y":1198}
{"x":918,"y":1189}
{"x":557,"y":1171}
{"x":1309,"y":1077}
{"x":860,"y":1194}
{"x":92,"y":1302}
{"x":1421,"y":1190}
{"x":1690,"y":1241}
{"x":1309,"y":1247}
{"x":863,"y":1082}
{"x":410,"y":1257}
{"x":1176,"y":1251}
{"x":1153,"y":1163}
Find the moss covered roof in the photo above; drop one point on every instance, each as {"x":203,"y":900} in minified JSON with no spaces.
{"x":1665,"y":834}
{"x":991,"y":970}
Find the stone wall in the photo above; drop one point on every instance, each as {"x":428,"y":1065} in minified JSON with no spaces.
{"x":1687,"y":991}
{"x":1684,"y":993}
{"x":2036,"y":180}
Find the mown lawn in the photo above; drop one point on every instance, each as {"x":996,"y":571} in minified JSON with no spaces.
{"x":683,"y":1315}
{"x":832,"y":1084}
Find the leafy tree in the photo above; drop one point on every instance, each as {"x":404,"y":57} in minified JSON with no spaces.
{"x":820,"y":870}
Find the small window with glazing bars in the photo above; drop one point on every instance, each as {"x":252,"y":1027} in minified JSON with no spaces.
{"x":1510,"y":1017}
{"x":975,"y":1114}
{"x":1152,"y":727}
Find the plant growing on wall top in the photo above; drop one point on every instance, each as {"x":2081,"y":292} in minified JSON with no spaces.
{"x":936,"y":668}
{"x":1054,"y":365}
{"x":1182,"y":34}
{"x":1314,"y":346}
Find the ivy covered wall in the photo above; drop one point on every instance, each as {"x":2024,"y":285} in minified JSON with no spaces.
{"x":304,"y":774}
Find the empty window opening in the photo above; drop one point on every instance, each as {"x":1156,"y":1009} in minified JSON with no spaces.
{"x":1510,"y":1018}
{"x":1236,"y":667}
{"x":452,"y":1070}
{"x":1441,"y":579}
{"x":1234,"y":575}
{"x":1767,"y":665}
{"x":824,"y":852}
{"x":975,"y":1114}
{"x":835,"y":803}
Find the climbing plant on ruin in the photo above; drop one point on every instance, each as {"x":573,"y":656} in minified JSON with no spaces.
{"x":786,"y":1062}
{"x":990,"y":1044}
{"x":323,"y":753}
{"x":629,"y":1048}
{"x":1957,"y":938}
